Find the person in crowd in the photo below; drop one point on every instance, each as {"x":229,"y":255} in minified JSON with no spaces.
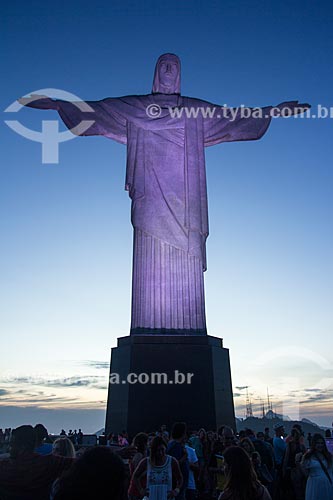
{"x":279,"y":447}
{"x":191,"y":490}
{"x":43,"y":444}
{"x":241,"y":479}
{"x":27,"y":475}
{"x":210,"y":485}
{"x":141,"y":443}
{"x":163,"y":476}
{"x":63,"y":432}
{"x":122,"y":439}
{"x":265,"y":449}
{"x":98,"y":474}
{"x":291,"y":470}
{"x":7,"y":435}
{"x":163,"y":432}
{"x":216,"y":461}
{"x":176,"y":448}
{"x":309,"y":438}
{"x":318,"y":465}
{"x":228,"y":437}
{"x":63,"y":447}
{"x":198,"y":441}
{"x":75,"y":437}
{"x":247,"y":445}
{"x":151,"y":436}
{"x":290,"y":437}
{"x":268,"y":438}
{"x":111,"y":439}
{"x":79,"y":437}
{"x":211,"y":437}
{"x":262,"y":472}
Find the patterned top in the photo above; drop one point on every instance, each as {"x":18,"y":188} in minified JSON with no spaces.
{"x":159,"y":479}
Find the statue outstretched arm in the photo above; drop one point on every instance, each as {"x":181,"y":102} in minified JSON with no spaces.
{"x":85,"y":117}
{"x":245,"y":124}
{"x":38,"y":102}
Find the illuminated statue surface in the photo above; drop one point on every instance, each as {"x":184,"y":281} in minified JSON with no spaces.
{"x":166,"y":180}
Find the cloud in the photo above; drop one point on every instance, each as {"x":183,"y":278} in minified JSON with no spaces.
{"x":42,"y":400}
{"x":242,"y":387}
{"x":317,"y":397}
{"x":100,"y":365}
{"x":97,"y":381}
{"x":102,"y":386}
{"x":3,"y":392}
{"x":72,"y":382}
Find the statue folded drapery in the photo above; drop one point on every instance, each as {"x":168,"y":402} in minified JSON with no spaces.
{"x":166,"y":180}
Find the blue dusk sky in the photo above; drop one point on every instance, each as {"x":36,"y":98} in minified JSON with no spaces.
{"x":66,"y":237}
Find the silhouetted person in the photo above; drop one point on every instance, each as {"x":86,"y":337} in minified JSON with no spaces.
{"x":42,"y":447}
{"x":98,"y":474}
{"x":79,"y":437}
{"x":27,"y":475}
{"x":176,"y":448}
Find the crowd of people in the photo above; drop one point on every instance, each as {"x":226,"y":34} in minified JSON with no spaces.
{"x":182,"y":465}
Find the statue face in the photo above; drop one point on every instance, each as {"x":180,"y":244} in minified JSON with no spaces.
{"x":168,"y":72}
{"x":167,"y":75}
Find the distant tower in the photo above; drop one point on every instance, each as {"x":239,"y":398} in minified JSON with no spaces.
{"x":249,"y":412}
{"x":269,"y":406}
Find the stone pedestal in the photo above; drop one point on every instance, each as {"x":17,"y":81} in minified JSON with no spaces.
{"x":183,"y":378}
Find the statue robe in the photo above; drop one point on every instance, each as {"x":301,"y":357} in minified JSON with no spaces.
{"x":166,"y":180}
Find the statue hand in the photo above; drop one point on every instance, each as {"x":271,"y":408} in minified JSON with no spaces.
{"x":290,"y":108}
{"x":38,"y":101}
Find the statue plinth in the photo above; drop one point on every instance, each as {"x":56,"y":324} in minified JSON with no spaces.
{"x":183,"y":378}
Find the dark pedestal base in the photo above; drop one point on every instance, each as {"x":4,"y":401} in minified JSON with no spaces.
{"x":203,"y":399}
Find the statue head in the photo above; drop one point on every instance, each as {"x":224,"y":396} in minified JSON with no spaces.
{"x":167,"y":75}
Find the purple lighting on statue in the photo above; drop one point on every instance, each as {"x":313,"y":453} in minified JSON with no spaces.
{"x":166,"y":181}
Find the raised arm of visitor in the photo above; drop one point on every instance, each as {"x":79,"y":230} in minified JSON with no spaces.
{"x":245,"y":124}
{"x":85,"y":117}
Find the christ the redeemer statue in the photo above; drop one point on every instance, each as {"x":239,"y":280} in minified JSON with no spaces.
{"x":166,"y":181}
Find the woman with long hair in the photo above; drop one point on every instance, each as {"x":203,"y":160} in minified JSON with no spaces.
{"x":241,"y":480}
{"x":140,"y":442}
{"x":162,"y":471}
{"x":63,"y":447}
{"x":318,"y":465}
